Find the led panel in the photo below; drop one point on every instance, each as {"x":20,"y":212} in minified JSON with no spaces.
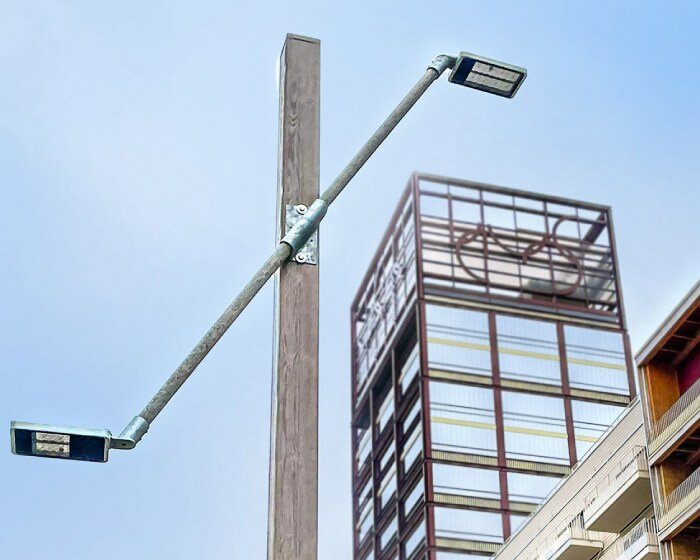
{"x":487,"y":75}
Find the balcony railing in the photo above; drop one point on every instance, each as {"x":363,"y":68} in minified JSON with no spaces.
{"x":680,"y":500}
{"x":574,"y":542}
{"x":615,"y":481}
{"x":680,"y":412}
{"x":629,"y":545}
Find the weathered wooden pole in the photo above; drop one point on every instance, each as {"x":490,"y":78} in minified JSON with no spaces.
{"x":293,"y":508}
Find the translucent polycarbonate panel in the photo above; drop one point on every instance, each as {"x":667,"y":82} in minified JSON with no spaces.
{"x":458,"y":340}
{"x":591,"y":420}
{"x":387,"y":457}
{"x":462,"y":418}
{"x":466,"y":481}
{"x":517,"y":521}
{"x":364,"y":446}
{"x":385,"y":411}
{"x":413,"y":449}
{"x":414,"y":540}
{"x":535,"y":428}
{"x":464,"y":524}
{"x":387,"y":490}
{"x":530,"y":488}
{"x":366,"y":522}
{"x":411,"y":416}
{"x":415,"y":496}
{"x":596,"y":360}
{"x":409,"y":370}
{"x":501,"y":85}
{"x":528,"y":350}
{"x":388,"y":534}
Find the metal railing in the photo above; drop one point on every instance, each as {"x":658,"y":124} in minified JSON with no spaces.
{"x":680,"y":499}
{"x":627,"y":546}
{"x":680,"y":412}
{"x":616,"y":479}
{"x":574,"y":530}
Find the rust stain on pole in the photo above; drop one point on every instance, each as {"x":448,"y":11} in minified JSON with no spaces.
{"x":293,"y":511}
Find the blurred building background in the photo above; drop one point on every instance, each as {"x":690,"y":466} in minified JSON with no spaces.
{"x":489,"y":355}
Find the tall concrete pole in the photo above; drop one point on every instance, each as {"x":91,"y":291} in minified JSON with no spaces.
{"x":293,"y":509}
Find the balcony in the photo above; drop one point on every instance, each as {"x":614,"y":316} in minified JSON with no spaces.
{"x":681,"y":419}
{"x":681,"y":507}
{"x":574,"y":543}
{"x":627,"y":492}
{"x":640,"y":543}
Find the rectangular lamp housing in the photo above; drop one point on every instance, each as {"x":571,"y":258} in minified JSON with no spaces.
{"x":485,"y":74}
{"x":60,"y":442}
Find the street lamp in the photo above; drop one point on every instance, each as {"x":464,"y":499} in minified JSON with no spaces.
{"x":82,"y":444}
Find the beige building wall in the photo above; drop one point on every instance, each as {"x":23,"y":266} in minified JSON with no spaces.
{"x":574,"y":493}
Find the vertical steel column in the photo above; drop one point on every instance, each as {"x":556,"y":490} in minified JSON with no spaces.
{"x":293,"y":513}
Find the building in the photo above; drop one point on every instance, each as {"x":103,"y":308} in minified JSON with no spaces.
{"x":636,"y":494}
{"x":602,"y":510}
{"x":669,"y":370}
{"x":489,"y":354}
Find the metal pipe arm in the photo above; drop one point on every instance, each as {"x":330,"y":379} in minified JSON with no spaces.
{"x":139,"y":425}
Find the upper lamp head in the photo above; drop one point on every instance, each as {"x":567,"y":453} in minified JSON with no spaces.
{"x":485,"y":74}
{"x":60,"y":442}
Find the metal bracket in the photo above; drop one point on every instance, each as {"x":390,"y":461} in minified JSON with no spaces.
{"x":308,"y":252}
{"x":131,"y":435}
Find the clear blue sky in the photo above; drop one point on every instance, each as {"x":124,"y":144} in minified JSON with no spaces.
{"x":138,"y":164}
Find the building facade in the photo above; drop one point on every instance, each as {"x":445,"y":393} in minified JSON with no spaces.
{"x":602,"y":510}
{"x":669,"y":370}
{"x":489,"y":353}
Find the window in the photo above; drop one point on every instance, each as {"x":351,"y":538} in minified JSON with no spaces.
{"x":385,"y":411}
{"x":596,"y":360}
{"x":366,"y":521}
{"x":413,"y":448}
{"x":387,"y":457}
{"x":388,"y":534}
{"x":462,"y":418}
{"x":530,"y":488}
{"x":535,"y":428}
{"x":452,"y":523}
{"x":516,"y":521}
{"x":387,"y":490}
{"x":413,"y":498}
{"x":528,"y":350}
{"x":414,"y":540}
{"x":458,"y":340}
{"x":364,"y":437}
{"x":409,"y":371}
{"x":591,"y":420}
{"x":466,"y":481}
{"x":410,"y":417}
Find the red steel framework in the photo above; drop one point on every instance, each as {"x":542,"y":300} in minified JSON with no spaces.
{"x":566,"y":272}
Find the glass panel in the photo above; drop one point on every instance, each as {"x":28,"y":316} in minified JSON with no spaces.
{"x":415,"y":496}
{"x":413,"y":448}
{"x":535,"y":428}
{"x":410,"y":417}
{"x":366,"y":522}
{"x":466,"y":481}
{"x":387,"y":490}
{"x":387,"y":457}
{"x":458,"y":340}
{"x":528,"y":350}
{"x":414,"y":540}
{"x":530,"y":488}
{"x":462,"y":418}
{"x":468,"y":525}
{"x":364,"y":439}
{"x":388,"y":533}
{"x":591,"y":420}
{"x":409,"y":370}
{"x":596,"y":360}
{"x":516,"y":521}
{"x":386,"y":409}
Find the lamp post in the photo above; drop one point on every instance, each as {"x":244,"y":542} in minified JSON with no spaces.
{"x":93,"y":445}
